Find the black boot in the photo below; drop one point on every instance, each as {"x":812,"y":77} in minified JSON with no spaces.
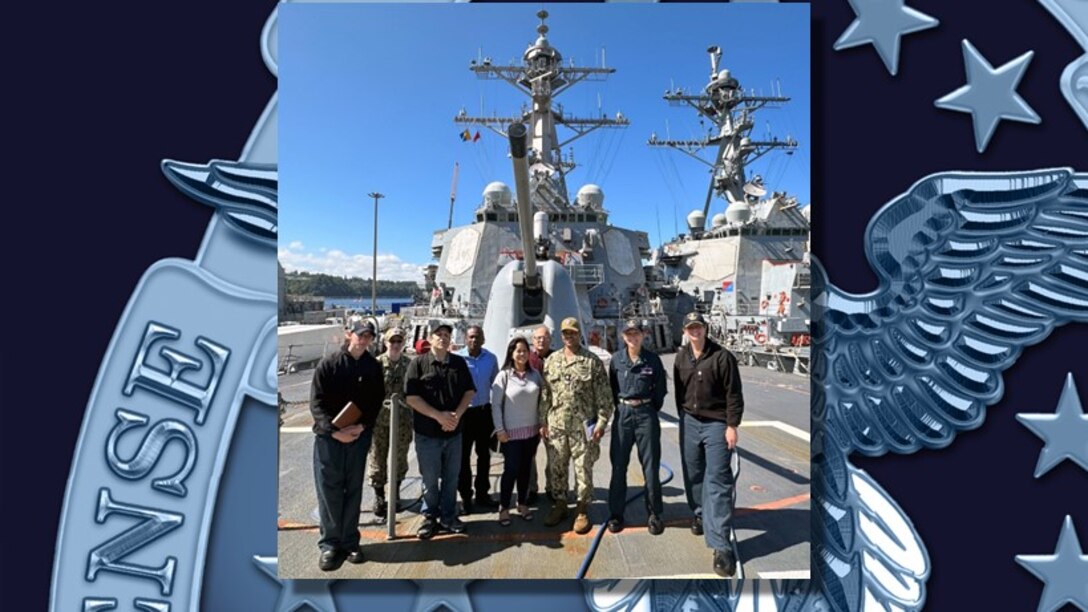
{"x":380,"y":505}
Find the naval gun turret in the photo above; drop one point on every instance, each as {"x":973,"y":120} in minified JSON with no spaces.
{"x":525,"y":292}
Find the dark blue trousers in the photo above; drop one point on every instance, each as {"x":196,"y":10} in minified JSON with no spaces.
{"x":338,"y":475}
{"x":708,"y":477}
{"x":635,"y":425}
{"x":518,"y":456}
{"x":476,"y":428}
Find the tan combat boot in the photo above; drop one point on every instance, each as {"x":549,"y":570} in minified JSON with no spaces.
{"x":581,"y":519}
{"x":557,"y":514}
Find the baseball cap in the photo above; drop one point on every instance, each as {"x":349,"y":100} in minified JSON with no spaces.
{"x":571,"y":324}
{"x":446,"y":326}
{"x":632,"y":324}
{"x":393,"y":332}
{"x":364,"y":327}
{"x":694,"y":318}
{"x":422,"y":346}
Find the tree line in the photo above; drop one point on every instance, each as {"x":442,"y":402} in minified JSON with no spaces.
{"x":325,"y":285}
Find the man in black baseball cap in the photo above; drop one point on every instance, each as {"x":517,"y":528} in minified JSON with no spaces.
{"x":350,"y":375}
{"x":638,"y":384}
{"x":710,"y":402}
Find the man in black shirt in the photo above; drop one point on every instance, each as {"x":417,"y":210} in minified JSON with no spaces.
{"x":349,"y":375}
{"x":710,"y":403}
{"x":438,"y":387}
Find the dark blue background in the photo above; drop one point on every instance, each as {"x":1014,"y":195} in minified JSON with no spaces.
{"x":97,"y":95}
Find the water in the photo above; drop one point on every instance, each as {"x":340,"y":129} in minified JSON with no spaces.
{"x":363,"y":303}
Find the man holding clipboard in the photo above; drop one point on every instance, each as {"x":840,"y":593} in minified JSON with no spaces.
{"x":345,"y":398}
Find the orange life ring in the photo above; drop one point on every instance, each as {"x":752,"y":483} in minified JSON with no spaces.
{"x":760,"y":338}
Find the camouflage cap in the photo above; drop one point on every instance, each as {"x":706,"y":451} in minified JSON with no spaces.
{"x":571,"y":324}
{"x":393,"y":332}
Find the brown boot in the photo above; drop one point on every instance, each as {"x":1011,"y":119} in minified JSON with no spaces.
{"x":581,"y":519}
{"x":557,"y":514}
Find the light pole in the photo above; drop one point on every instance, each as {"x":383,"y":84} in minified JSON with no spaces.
{"x":374,"y":272}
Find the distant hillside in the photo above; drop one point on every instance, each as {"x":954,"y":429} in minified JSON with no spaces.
{"x":305,"y":283}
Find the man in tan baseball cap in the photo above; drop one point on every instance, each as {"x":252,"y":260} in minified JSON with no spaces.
{"x":576,"y":405}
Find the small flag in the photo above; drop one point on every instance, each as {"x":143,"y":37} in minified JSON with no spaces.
{"x":466,"y":136}
{"x":477,"y":136}
{"x":727,"y":286}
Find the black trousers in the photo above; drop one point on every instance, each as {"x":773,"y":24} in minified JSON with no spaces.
{"x":518,"y":456}
{"x":476,"y":429}
{"x":338,"y":475}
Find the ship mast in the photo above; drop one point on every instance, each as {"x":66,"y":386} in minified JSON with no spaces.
{"x":542,"y":76}
{"x":731,"y":110}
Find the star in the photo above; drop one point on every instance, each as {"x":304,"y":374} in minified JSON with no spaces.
{"x":298,"y":593}
{"x":1063,"y":572}
{"x":990,"y":95}
{"x":1065,"y":432}
{"x":882,"y":23}
{"x":442,"y":594}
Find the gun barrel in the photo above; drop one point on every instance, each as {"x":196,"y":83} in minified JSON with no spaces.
{"x":518,"y":134}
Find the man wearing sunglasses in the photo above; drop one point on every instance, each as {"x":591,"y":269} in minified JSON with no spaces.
{"x":394,"y":365}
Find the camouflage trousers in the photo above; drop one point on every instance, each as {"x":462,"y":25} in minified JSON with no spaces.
{"x":562,"y":447}
{"x":379,"y":448}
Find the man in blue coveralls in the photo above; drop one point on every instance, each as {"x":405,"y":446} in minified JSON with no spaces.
{"x":638,"y":390}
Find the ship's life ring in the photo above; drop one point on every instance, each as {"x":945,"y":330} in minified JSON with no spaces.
{"x":602,"y":302}
{"x":761,"y":338}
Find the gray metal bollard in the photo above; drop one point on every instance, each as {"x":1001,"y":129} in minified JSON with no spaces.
{"x":393,"y":482}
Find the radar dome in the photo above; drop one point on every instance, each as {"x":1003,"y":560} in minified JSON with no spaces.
{"x":718,"y":220}
{"x":497,"y":194}
{"x":696,"y":220}
{"x":738,"y":212}
{"x":591,"y":196}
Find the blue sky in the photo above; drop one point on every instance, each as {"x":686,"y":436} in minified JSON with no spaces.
{"x":368,"y":93}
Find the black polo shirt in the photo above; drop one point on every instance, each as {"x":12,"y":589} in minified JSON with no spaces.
{"x":341,"y":378}
{"x":440,"y":384}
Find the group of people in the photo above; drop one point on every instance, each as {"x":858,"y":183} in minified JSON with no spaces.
{"x":565,"y":399}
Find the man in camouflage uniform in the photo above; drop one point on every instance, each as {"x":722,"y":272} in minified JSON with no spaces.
{"x":577,"y":393}
{"x":394,"y":364}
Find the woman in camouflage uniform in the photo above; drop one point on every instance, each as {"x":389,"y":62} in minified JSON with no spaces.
{"x":394,"y":364}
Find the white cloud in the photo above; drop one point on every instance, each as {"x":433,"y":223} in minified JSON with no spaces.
{"x":295,"y":245}
{"x":339,"y":263}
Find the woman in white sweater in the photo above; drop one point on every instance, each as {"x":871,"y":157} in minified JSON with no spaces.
{"x":515,"y":409}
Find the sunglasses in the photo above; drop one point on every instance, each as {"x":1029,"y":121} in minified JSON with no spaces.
{"x":396,"y":342}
